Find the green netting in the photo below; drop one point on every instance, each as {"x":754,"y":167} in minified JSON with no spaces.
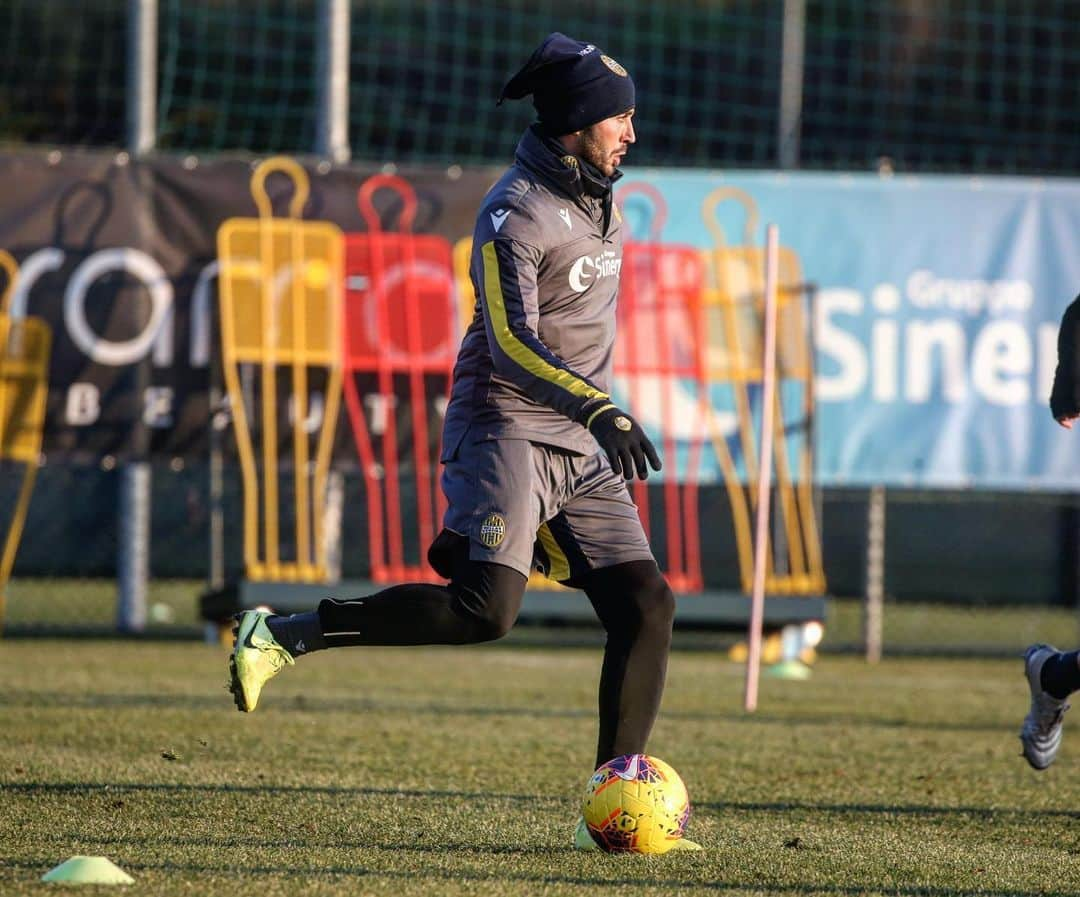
{"x":948,"y":85}
{"x":62,"y":71}
{"x":425,"y":77}
{"x":237,"y":74}
{"x":953,"y":85}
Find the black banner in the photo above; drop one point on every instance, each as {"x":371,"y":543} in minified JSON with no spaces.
{"x":119,"y":257}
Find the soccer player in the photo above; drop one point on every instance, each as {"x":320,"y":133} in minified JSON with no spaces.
{"x":1052,"y":675}
{"x":536,"y":454}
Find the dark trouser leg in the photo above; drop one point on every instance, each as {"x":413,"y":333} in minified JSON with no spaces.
{"x":636,"y":607}
{"x":1060,"y":674}
{"x":480,"y":604}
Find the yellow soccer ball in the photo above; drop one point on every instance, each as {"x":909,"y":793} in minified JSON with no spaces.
{"x":636,"y":804}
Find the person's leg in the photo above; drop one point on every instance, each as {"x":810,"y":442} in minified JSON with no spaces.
{"x":1052,"y":676}
{"x":480,"y":604}
{"x":485,"y":550}
{"x":596,"y":543}
{"x":1060,"y":674}
{"x":636,"y":607}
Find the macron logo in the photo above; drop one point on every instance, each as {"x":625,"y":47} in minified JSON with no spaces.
{"x":498,"y":217}
{"x":565,"y":215}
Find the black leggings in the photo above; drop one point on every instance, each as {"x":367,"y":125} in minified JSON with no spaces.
{"x":481,"y":603}
{"x":636,"y":607}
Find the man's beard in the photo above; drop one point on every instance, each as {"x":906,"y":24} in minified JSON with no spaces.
{"x":592,"y":150}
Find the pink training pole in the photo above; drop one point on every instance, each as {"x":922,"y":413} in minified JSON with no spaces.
{"x":761,"y":528}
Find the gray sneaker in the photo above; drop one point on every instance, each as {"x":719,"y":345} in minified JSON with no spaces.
{"x":1041,"y":732}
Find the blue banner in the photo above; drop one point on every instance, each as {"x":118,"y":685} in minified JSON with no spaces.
{"x":935,"y":314}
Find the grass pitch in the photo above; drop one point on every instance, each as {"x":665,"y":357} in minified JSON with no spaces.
{"x":457,"y":771}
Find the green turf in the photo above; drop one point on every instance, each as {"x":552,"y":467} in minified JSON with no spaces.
{"x":172,"y":610}
{"x":47,"y":602}
{"x":456,"y":771}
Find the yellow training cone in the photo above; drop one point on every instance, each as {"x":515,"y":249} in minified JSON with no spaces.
{"x":88,"y":871}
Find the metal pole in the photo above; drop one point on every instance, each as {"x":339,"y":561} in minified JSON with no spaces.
{"x":332,"y":534}
{"x":791,"y":83}
{"x":134,"y":546}
{"x":811,"y":428}
{"x":133,"y":551}
{"x":142,"y":76}
{"x":874,"y":604}
{"x":764,"y":484}
{"x":332,"y":127}
{"x":219,"y":420}
{"x":332,"y":142}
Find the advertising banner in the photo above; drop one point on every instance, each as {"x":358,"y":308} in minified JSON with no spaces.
{"x":120,"y":259}
{"x":933,"y":301}
{"x":935,"y":309}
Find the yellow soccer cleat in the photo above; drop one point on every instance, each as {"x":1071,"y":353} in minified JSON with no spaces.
{"x":584,"y":841}
{"x":256,"y":658}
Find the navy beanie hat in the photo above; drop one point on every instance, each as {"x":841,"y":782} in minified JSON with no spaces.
{"x":573,"y":85}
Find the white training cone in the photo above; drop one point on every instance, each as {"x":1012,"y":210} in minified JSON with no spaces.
{"x":88,"y":871}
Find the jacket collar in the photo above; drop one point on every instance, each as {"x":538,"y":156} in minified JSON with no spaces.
{"x":546,"y":157}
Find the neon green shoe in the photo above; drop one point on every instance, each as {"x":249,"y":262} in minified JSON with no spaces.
{"x":256,"y":658}
{"x":584,"y":841}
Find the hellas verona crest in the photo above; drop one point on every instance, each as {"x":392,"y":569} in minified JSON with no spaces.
{"x":613,"y":65}
{"x":492,"y":530}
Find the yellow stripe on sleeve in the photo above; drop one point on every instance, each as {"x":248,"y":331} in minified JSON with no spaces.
{"x":520,"y":353}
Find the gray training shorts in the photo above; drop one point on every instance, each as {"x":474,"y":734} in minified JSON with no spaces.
{"x":535,"y":507}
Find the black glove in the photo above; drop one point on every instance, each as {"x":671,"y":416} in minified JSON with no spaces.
{"x":1063,"y":399}
{"x":621,"y":437}
{"x":1065,"y":395}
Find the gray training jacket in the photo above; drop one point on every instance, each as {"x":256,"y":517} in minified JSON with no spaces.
{"x":546,"y":256}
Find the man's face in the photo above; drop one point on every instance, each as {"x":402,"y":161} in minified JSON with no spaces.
{"x":604,"y":144}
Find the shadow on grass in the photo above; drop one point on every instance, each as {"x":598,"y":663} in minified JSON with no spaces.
{"x":680,"y":883}
{"x":887,"y":809}
{"x":305,"y":704}
{"x":112,"y":789}
{"x":169,"y":839}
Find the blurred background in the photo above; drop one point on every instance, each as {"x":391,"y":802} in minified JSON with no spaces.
{"x":919,"y":157}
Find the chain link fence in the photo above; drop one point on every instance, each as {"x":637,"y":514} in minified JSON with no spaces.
{"x":967,"y":86}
